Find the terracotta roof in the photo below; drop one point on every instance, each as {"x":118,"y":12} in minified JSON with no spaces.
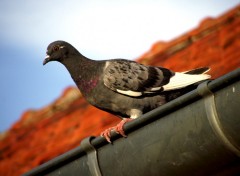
{"x":214,"y":43}
{"x":41,"y":135}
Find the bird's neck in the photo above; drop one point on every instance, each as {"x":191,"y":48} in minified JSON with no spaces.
{"x":84,"y":72}
{"x":78,"y":65}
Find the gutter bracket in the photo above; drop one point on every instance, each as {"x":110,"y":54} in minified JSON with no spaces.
{"x":92,"y":159}
{"x":213,"y":118}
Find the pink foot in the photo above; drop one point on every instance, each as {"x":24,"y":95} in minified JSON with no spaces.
{"x":118,"y":129}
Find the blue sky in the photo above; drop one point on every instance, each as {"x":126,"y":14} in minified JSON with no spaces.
{"x":99,"y":29}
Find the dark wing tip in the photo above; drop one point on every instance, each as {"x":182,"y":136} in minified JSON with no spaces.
{"x":197,"y":71}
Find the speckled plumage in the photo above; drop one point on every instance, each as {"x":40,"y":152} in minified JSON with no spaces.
{"x":129,"y":75}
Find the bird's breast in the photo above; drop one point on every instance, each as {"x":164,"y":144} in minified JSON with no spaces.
{"x":86,"y":86}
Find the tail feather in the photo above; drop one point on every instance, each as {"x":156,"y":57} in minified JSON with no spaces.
{"x":181,"y":80}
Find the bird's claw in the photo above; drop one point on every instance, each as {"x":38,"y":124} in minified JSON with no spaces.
{"x":107,"y":134}
{"x":118,"y":129}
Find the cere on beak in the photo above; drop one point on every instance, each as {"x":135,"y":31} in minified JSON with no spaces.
{"x":46,"y":60}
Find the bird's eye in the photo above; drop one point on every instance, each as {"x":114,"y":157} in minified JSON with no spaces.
{"x":56,"y":48}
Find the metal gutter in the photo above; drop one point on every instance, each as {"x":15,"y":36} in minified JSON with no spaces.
{"x":195,"y":134}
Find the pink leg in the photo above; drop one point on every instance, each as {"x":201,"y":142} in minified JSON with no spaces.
{"x":118,"y":129}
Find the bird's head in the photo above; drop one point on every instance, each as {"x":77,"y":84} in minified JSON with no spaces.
{"x":58,"y":51}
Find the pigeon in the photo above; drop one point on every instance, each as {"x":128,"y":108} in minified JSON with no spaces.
{"x":122,"y":87}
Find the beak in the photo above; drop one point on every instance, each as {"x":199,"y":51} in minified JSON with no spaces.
{"x":47,"y":59}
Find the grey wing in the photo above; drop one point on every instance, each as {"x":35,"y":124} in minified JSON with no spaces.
{"x":134,"y":79}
